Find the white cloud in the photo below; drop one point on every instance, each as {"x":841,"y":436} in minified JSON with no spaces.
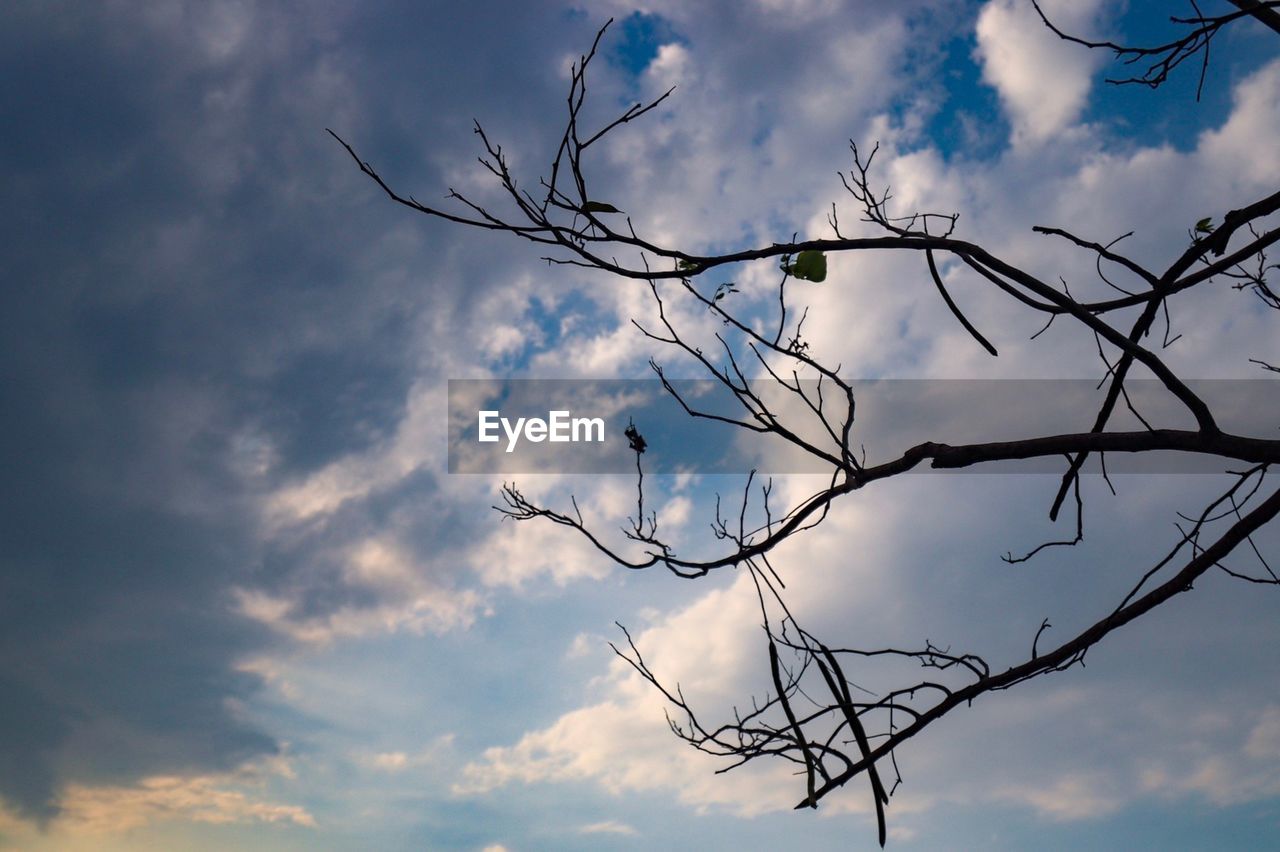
{"x":608,"y":827}
{"x":1240,"y":146}
{"x":798,"y":12}
{"x":217,"y":798}
{"x":712,"y":648}
{"x":419,"y":439}
{"x":407,"y":598}
{"x":623,"y":743}
{"x":1042,"y":80}
{"x":1264,"y":740}
{"x":1070,"y":796}
{"x":583,"y":645}
{"x":877,"y":314}
{"x":103,"y":810}
{"x":390,"y":761}
{"x":880,"y":573}
{"x":394,"y":762}
{"x":431,"y":612}
{"x":1247,"y":771}
{"x":517,"y":553}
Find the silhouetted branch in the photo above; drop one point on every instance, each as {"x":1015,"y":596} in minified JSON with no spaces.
{"x":812,"y":715}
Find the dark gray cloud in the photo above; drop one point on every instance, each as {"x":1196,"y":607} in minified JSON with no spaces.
{"x":202,"y":299}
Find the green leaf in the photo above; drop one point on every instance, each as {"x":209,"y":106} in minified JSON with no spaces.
{"x":1205,"y":225}
{"x":683,"y":264}
{"x":600,"y":207}
{"x":810,"y":265}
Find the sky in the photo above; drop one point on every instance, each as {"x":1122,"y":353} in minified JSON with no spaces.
{"x":243,"y":601}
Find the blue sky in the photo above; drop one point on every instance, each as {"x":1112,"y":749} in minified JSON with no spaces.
{"x":242,"y":601}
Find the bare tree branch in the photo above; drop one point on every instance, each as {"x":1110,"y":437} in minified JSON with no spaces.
{"x":812,"y":715}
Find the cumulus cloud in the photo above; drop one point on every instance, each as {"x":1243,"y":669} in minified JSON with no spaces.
{"x":881,"y":318}
{"x":623,"y":743}
{"x":1043,"y":82}
{"x":711,"y":647}
{"x":1254,"y":117}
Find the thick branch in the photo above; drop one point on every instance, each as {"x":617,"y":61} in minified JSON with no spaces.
{"x":1061,"y":655}
{"x":1264,"y":12}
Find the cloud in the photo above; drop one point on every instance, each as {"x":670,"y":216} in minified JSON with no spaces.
{"x":1043,"y":81}
{"x":1071,"y":796}
{"x":88,"y":810}
{"x":405,"y":595}
{"x":390,"y":761}
{"x":417,"y":441}
{"x":222,"y":319}
{"x":395,"y":762}
{"x":623,"y":744}
{"x":1245,"y":772}
{"x":518,"y":552}
{"x":1253,"y":116}
{"x":712,"y":647}
{"x":222,"y":369}
{"x":609,"y":827}
{"x":1146,"y":189}
{"x":1264,"y":740}
{"x":109,"y":810}
{"x":875,"y":575}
